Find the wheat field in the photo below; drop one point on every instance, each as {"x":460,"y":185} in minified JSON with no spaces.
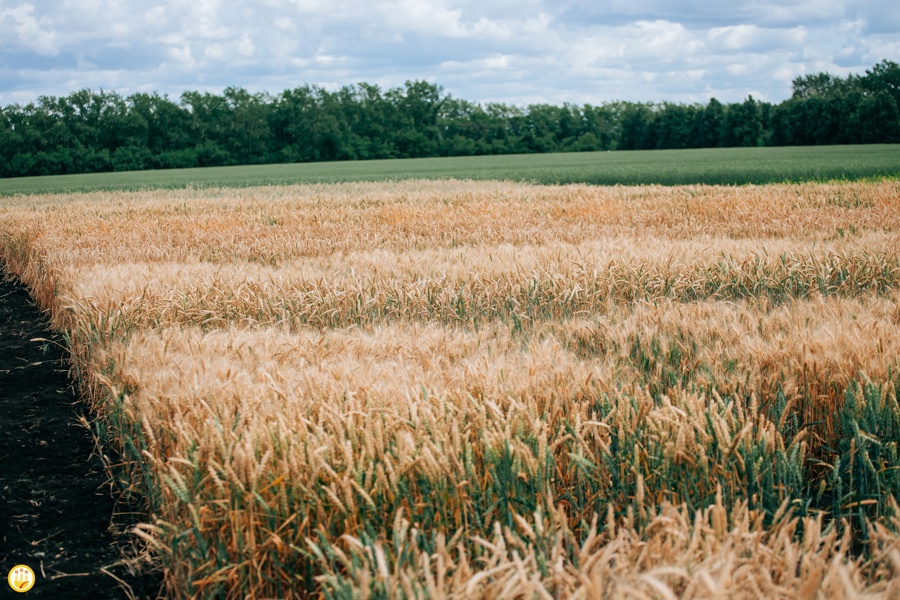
{"x":456,"y":389}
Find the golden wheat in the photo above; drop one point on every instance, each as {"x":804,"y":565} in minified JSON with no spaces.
{"x":459,"y":389}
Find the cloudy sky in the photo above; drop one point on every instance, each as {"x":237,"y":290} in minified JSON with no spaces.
{"x":514,"y":51}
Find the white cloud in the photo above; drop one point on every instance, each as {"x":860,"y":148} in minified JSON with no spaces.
{"x":31,"y":33}
{"x":285,"y":24}
{"x":500,"y":62}
{"x":752,"y":37}
{"x":509,"y":50}
{"x":659,"y":42}
{"x":245,"y":46}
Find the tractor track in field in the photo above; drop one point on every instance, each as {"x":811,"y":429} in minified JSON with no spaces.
{"x":56,"y":506}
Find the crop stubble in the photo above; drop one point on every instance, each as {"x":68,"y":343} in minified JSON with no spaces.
{"x":460,"y":389}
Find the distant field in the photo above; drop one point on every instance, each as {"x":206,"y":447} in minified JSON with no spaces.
{"x":667,"y":167}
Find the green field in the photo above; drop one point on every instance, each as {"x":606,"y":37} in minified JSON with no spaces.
{"x":668,"y":167}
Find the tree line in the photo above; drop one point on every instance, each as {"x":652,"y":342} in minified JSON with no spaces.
{"x":95,"y":131}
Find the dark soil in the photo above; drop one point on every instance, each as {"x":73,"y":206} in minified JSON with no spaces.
{"x":56,"y":504}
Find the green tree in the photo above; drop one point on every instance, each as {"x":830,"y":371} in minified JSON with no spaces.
{"x":712,"y":124}
{"x":419,"y":104}
{"x":247,"y":136}
{"x":602,"y":122}
{"x":169,"y":133}
{"x":210,"y":124}
{"x":883,"y":77}
{"x":677,"y":126}
{"x":743,"y":124}
{"x":879,"y":119}
{"x":637,"y":128}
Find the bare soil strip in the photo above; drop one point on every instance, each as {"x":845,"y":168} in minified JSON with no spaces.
{"x":55,"y":504}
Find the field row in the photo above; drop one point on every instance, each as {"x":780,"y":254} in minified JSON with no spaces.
{"x":519,"y":286}
{"x":272,"y":225}
{"x":712,"y":166}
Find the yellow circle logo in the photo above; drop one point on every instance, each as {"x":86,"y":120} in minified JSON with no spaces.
{"x":21,"y":578}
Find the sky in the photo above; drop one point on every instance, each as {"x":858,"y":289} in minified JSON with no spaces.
{"x":513,"y":51}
